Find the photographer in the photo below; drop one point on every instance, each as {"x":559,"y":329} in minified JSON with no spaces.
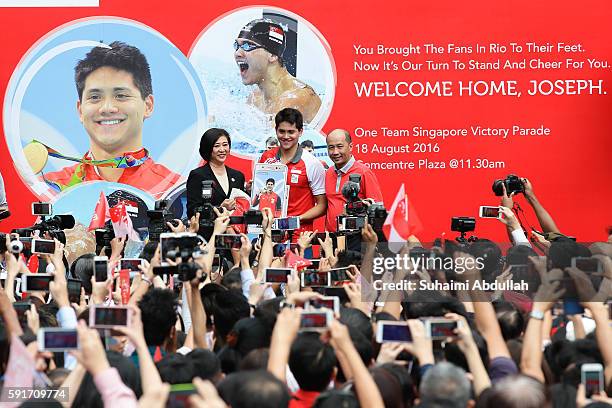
{"x":340,"y":151}
{"x":215,"y":147}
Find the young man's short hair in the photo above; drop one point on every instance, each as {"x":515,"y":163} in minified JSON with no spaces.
{"x":158,"y":309}
{"x":119,"y":56}
{"x":312,"y":362}
{"x":289,"y":115}
{"x":270,"y":180}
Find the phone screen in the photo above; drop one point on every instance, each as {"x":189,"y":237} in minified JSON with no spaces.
{"x":313,"y":320}
{"x":110,"y":316}
{"x":489,"y":212}
{"x":74,"y":290}
{"x":44,"y":246}
{"x":396,"y":332}
{"x":442,"y":330}
{"x":228,"y":241}
{"x":277,"y":275}
{"x":61,"y":339}
{"x":179,"y":395}
{"x":592,"y":383}
{"x":318,"y":303}
{"x":101,"y":270}
{"x":339,"y":275}
{"x":313,"y":279}
{"x":131,"y":264}
{"x":41,"y":209}
{"x":36,"y":282}
{"x":587,"y":264}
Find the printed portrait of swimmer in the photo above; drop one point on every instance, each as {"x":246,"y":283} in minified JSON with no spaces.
{"x":115,"y":98}
{"x":258,"y":53}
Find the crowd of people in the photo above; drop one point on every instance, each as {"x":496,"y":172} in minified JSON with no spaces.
{"x":225,"y":337}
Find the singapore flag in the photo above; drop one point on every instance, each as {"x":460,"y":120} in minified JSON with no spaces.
{"x":401,"y":221}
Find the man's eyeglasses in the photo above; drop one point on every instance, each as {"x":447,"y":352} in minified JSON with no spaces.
{"x":246,"y":46}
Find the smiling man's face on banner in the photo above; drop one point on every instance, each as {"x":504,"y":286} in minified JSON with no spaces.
{"x":113,"y":111}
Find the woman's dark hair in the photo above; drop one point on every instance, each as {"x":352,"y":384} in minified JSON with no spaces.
{"x":82,"y":268}
{"x":208,"y":140}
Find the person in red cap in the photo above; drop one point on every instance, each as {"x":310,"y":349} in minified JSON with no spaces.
{"x":115,"y":97}
{"x":258,"y":52}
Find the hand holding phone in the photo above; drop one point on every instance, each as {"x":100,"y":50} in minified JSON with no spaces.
{"x":101,"y":268}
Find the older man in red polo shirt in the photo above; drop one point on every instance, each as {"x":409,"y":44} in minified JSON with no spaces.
{"x":340,"y":151}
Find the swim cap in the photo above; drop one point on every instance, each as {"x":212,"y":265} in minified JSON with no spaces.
{"x":267,"y":33}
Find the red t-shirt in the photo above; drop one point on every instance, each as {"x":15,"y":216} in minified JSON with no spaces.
{"x":303,"y":399}
{"x":270,"y":200}
{"x":151,"y":177}
{"x":305,"y":178}
{"x":333,"y":189}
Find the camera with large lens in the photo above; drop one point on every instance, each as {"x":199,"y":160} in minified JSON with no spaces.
{"x":513,"y":184}
{"x":207,"y":210}
{"x":53,"y":226}
{"x":158,"y":219}
{"x":350,"y":191}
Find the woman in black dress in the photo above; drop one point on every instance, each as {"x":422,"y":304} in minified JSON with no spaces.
{"x":215,"y":147}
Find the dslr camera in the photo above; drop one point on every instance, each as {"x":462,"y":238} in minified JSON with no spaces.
{"x":54,"y":226}
{"x":158,"y":219}
{"x":206,"y":210}
{"x":513,"y":184}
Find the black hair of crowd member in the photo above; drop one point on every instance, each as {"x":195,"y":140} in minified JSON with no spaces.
{"x":356,"y":319}
{"x":519,"y":255}
{"x":82,"y":268}
{"x":291,"y":116}
{"x":208,"y":293}
{"x":561,"y":252}
{"x":232,"y":279}
{"x":424,"y":303}
{"x":256,"y":359}
{"x":176,"y":368}
{"x":511,"y":320}
{"x":336,"y":398}
{"x":490,"y":254}
{"x":406,"y":384}
{"x":120,"y":56}
{"x":312,"y":362}
{"x":246,"y":389}
{"x":206,"y":364}
{"x":208,"y":140}
{"x":454,"y":355}
{"x":348,"y":257}
{"x":88,"y":395}
{"x":148,"y":251}
{"x":229,"y":307}
{"x":158,"y":312}
{"x":389,"y":387}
